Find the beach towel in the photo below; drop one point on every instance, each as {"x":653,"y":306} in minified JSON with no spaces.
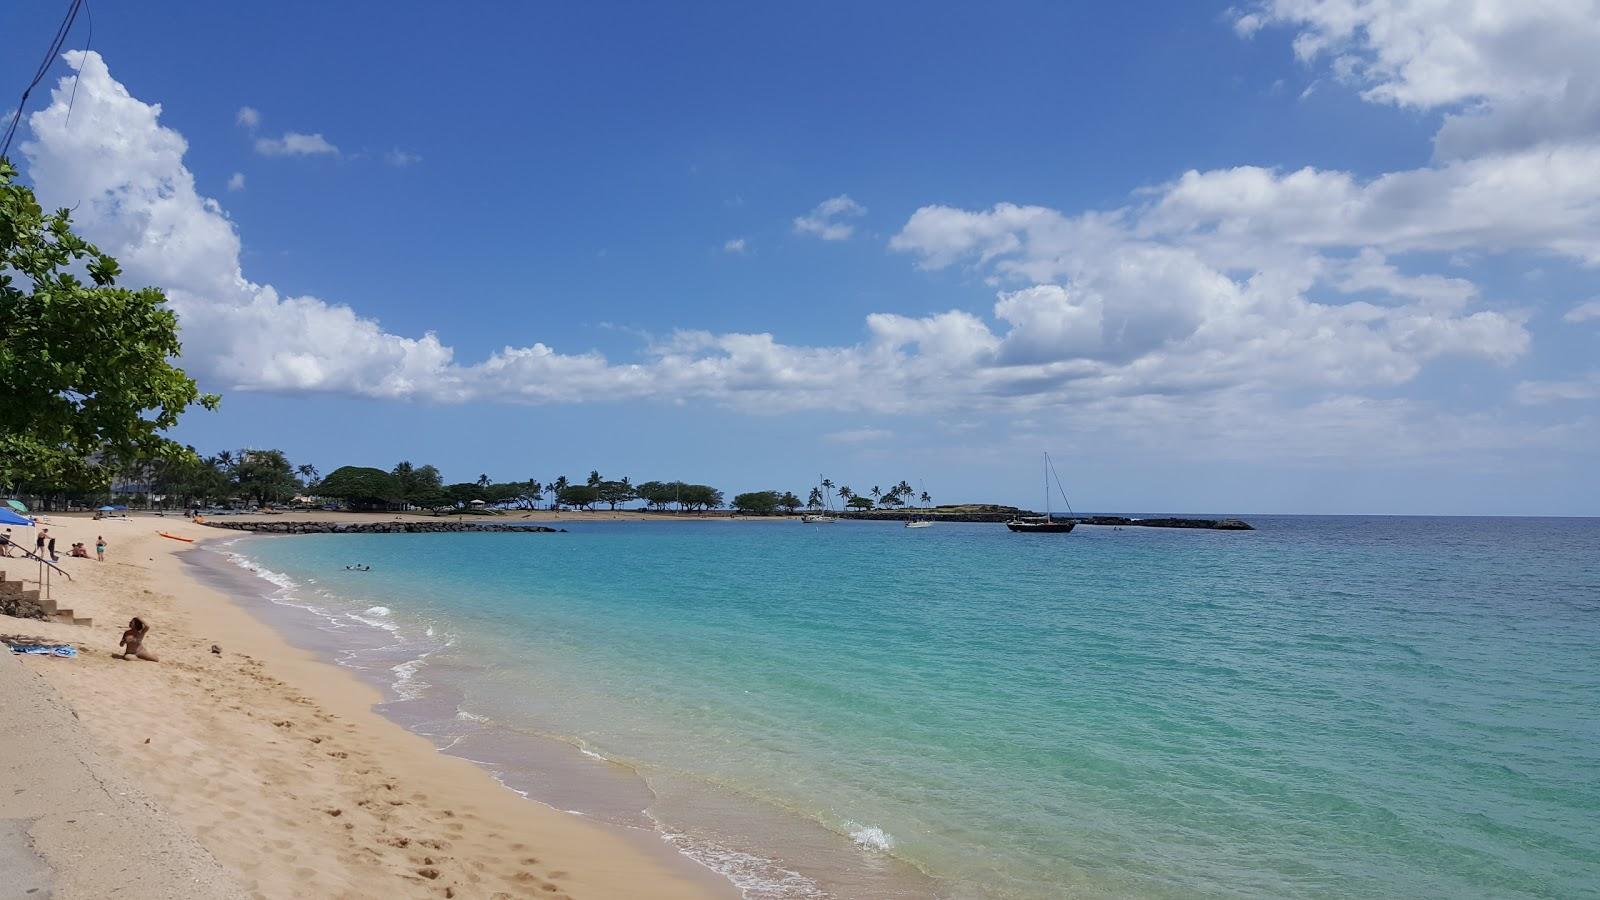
{"x":62,"y":650}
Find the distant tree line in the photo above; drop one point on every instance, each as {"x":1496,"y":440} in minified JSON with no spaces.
{"x":268,"y":477}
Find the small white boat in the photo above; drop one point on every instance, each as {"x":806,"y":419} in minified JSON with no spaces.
{"x":919,"y":523}
{"x":818,"y":519}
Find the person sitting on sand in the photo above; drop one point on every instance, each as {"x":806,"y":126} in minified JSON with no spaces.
{"x":79,"y":551}
{"x":133,"y":642}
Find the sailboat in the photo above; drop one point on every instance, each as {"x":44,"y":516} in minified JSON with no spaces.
{"x":922,"y":522}
{"x":1045,"y":524}
{"x":826,"y":518}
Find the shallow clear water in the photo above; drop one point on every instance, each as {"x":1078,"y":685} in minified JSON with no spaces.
{"x":1326,"y":707}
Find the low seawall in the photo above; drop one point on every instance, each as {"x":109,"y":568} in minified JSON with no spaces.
{"x":998,"y":517}
{"x":377,"y":527}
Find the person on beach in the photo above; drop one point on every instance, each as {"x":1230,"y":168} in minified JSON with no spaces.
{"x":53,"y":556}
{"x":100,"y":548}
{"x":5,"y":543}
{"x":133,"y":642}
{"x":38,"y":542}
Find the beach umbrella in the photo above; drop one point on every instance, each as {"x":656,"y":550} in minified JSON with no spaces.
{"x":108,"y":509}
{"x":7,"y":517}
{"x":17,"y":505}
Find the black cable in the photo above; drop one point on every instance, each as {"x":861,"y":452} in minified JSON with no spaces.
{"x":87,"y":42}
{"x":56,"y":43}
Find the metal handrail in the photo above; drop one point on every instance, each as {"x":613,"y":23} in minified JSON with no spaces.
{"x":41,"y":560}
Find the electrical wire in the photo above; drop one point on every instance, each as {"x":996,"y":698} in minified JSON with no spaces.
{"x":56,"y":43}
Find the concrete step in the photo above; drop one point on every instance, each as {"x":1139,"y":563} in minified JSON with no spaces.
{"x":66,"y":616}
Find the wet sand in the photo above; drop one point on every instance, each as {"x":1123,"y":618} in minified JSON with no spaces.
{"x":279,"y":766}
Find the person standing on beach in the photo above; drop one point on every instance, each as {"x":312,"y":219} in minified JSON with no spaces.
{"x":53,"y":556}
{"x":38,"y":542}
{"x":5,"y":543}
{"x":100,"y":547}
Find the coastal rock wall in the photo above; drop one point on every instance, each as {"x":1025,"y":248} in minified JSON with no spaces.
{"x":19,"y":602}
{"x":377,"y":527}
{"x":996,"y":517}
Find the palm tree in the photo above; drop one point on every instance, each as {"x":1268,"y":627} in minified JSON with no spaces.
{"x":927,"y":502}
{"x":559,"y":485}
{"x":877,"y":493}
{"x":827,"y":488}
{"x":594,"y":478}
{"x":845,"y":493}
{"x":483,"y":481}
{"x":225,"y":459}
{"x":308,"y":474}
{"x":903,"y":489}
{"x":815,"y":500}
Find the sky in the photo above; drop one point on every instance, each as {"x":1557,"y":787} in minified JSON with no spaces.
{"x":1282,"y":256}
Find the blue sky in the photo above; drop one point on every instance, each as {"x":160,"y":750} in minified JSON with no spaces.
{"x":1367,"y":294}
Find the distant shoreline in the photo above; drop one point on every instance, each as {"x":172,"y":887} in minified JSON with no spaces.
{"x":369,"y":521}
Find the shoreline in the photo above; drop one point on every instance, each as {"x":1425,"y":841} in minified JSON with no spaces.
{"x":760,"y":851}
{"x":280,"y":764}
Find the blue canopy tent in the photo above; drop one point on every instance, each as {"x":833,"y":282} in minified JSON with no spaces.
{"x":7,"y":517}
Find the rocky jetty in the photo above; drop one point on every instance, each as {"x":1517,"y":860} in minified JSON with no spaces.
{"x":377,"y":527}
{"x":992,"y":514}
{"x":1125,"y":522}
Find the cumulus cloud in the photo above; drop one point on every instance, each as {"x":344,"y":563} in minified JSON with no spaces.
{"x":236,"y":181}
{"x":1510,"y":74}
{"x":1182,"y":304}
{"x":829,"y":219}
{"x":248,"y":117}
{"x":295,"y":144}
{"x":735,"y":245}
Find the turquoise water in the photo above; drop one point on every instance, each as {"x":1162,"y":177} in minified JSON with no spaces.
{"x":1326,"y":707}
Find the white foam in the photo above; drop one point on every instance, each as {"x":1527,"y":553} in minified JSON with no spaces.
{"x":756,"y":877}
{"x":870,"y":836}
{"x":407,"y":686}
{"x":378,"y":611}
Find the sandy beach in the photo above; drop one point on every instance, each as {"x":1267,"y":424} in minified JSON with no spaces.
{"x":275,"y":763}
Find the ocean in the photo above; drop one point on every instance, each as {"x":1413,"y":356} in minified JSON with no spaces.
{"x":1324,"y":707}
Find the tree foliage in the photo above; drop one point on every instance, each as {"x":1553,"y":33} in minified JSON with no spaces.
{"x":86,"y":374}
{"x":265,"y":476}
{"x":759,"y":503}
{"x":361,"y":486}
{"x":578,"y":495}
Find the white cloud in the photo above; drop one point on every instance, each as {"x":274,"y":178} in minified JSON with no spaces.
{"x":1176,"y":309}
{"x":1587,"y":311}
{"x":1535,"y":393}
{"x":295,"y":144}
{"x":828,"y":219}
{"x":248,"y":117}
{"x":236,"y":182}
{"x":735,"y":245}
{"x":1509,"y":74}
{"x":401,"y":158}
{"x":858,"y":436}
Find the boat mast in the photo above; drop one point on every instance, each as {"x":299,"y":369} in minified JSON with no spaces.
{"x":1047,"y":486}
